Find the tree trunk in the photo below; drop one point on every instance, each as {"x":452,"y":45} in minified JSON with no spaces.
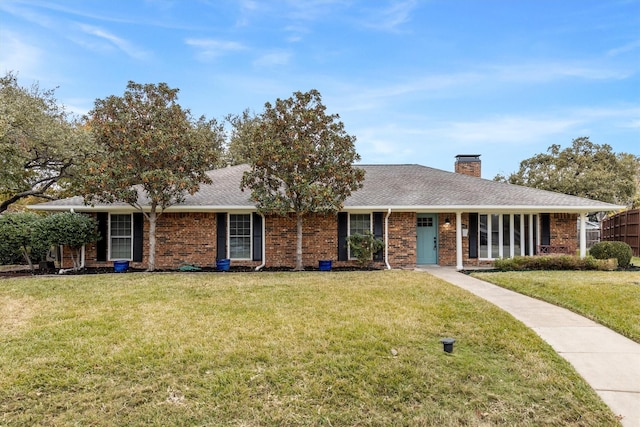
{"x":299,"y":266}
{"x":27,"y":258}
{"x":152,"y":238}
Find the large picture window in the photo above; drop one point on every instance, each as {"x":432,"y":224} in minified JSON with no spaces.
{"x":120,"y":236}
{"x":240,"y":236}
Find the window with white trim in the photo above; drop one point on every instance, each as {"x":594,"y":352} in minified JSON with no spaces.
{"x":359,"y":224}
{"x":121,"y":236}
{"x":240,"y":236}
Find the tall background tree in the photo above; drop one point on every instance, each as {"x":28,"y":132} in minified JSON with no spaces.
{"x":40,"y":143}
{"x":301,"y":161}
{"x":152,"y":152}
{"x":583,"y":169}
{"x":240,"y":137}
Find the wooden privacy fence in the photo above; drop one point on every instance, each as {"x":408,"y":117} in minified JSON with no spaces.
{"x":623,"y":227}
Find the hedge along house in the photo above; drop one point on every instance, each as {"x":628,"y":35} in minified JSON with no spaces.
{"x":423,"y":215}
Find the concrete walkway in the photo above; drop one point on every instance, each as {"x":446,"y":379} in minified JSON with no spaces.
{"x":609,"y":362}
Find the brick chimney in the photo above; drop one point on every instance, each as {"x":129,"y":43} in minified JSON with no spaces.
{"x":468,"y":164}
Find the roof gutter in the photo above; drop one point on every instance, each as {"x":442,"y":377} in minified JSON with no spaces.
{"x":386,"y":239}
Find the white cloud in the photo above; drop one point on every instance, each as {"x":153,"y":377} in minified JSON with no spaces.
{"x":629,"y":47}
{"x":212,"y":48}
{"x":545,"y":71}
{"x":392,"y":17}
{"x":20,"y":56}
{"x":272,"y":59}
{"x":112,"y":40}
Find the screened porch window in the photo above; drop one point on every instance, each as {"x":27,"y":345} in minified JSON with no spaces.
{"x":495,"y":235}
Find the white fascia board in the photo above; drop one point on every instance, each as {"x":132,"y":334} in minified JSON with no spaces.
{"x":128,"y":208}
{"x":486,"y":208}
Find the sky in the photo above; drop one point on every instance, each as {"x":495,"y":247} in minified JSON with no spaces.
{"x":415,"y":81}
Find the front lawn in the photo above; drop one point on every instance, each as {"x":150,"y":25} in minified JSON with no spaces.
{"x":255,"y":349}
{"x":609,"y":298}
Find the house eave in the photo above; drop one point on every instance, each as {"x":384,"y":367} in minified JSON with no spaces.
{"x":489,"y":208}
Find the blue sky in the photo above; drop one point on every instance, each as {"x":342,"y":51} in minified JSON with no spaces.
{"x":416,"y":81}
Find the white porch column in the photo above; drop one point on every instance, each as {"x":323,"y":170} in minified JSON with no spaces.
{"x":459,"y":265}
{"x":512,"y":236}
{"x":530,"y":234}
{"x":522,"y":237}
{"x":583,"y":235}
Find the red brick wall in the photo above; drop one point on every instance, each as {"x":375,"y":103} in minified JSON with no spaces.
{"x":469,"y":168}
{"x":402,"y":239}
{"x":319,"y":240}
{"x":564,"y":231}
{"x":191,"y":237}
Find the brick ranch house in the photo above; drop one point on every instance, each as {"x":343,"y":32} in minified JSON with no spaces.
{"x":423,"y":215}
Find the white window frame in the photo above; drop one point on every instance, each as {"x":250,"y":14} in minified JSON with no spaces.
{"x":250,"y":236}
{"x":351,"y":258}
{"x":110,"y":242}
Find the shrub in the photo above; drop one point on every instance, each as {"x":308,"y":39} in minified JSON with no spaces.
{"x":18,"y":240}
{"x":68,"y":229}
{"x":553,"y":262}
{"x":619,"y":250}
{"x":363,"y":246}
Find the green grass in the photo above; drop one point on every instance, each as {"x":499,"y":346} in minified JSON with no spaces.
{"x":275,"y":349}
{"x":609,"y":298}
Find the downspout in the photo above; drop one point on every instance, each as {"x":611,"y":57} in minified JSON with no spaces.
{"x":386,"y":239}
{"x":80,"y":267}
{"x":264,"y":249}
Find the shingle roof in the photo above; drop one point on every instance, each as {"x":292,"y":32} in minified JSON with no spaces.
{"x":396,"y":187}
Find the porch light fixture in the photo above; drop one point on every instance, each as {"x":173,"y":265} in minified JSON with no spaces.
{"x":465,"y":230}
{"x":447,"y":221}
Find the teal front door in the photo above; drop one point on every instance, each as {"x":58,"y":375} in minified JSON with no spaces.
{"x":427,"y":241}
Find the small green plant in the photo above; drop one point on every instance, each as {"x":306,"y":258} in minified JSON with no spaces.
{"x":363,"y":246}
{"x":619,"y":250}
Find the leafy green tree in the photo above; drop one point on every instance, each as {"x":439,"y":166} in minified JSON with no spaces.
{"x":40,"y":144}
{"x":151,"y":152}
{"x":243,"y":126}
{"x":70,"y":229}
{"x":301,"y":161}
{"x":584,"y":169}
{"x":18,"y":238}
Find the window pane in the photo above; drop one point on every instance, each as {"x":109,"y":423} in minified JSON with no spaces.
{"x":120,"y":225}
{"x":506,"y":236}
{"x":359,"y":223}
{"x":240,"y":247}
{"x":240,"y":236}
{"x":495,"y":236}
{"x":120,"y":248}
{"x":516,"y":232}
{"x":484,"y":237}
